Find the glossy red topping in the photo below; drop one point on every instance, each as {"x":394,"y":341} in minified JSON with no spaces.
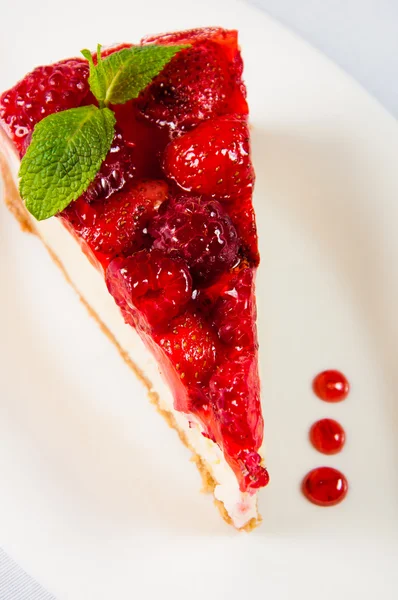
{"x":235,"y":400}
{"x":42,"y":92}
{"x":242,"y":214}
{"x":155,"y":288}
{"x":224,"y":37}
{"x":200,"y":232}
{"x":331,"y":386}
{"x":327,"y":436}
{"x":325,"y":486}
{"x":230,"y":307}
{"x":118,"y":168}
{"x":213,"y":159}
{"x":193,"y":86}
{"x":180,"y":264}
{"x":191,"y":347}
{"x":118,"y":225}
{"x":200,"y":82}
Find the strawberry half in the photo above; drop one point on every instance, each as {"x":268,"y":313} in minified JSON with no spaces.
{"x":116,"y":227}
{"x":194,"y":86}
{"x":213,"y":159}
{"x":190,"y":346}
{"x":44,"y":91}
{"x":155,"y":287}
{"x":201,"y":82}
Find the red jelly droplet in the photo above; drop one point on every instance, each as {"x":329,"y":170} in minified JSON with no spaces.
{"x":331,"y":386}
{"x":327,"y":436}
{"x":325,"y":486}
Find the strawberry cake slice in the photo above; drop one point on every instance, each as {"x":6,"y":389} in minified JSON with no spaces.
{"x":138,"y":156}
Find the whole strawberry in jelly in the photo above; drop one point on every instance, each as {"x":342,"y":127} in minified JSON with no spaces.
{"x":152,"y":287}
{"x":194,"y":86}
{"x":212,"y":159}
{"x":44,"y":91}
{"x":191,"y":347}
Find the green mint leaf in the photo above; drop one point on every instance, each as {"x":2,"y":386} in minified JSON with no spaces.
{"x":121,"y":76}
{"x":65,"y":154}
{"x":96,"y":80}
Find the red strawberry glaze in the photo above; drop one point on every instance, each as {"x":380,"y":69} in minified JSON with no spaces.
{"x":181,"y":266}
{"x":331,"y":386}
{"x":327,"y":436}
{"x":229,"y":305}
{"x":117,"y":226}
{"x":242,"y":214}
{"x":325,"y":486}
{"x":224,"y":37}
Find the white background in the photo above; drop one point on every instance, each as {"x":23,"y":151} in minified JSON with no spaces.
{"x":359,"y":35}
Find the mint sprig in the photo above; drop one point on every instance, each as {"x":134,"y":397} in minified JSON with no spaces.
{"x":65,"y":153}
{"x":68,"y":147}
{"x":121,"y":76}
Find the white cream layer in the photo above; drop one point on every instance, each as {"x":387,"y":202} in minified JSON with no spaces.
{"x":241,"y":507}
{"x":90,"y":283}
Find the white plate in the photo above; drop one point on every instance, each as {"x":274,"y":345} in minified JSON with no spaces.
{"x":98,"y":499}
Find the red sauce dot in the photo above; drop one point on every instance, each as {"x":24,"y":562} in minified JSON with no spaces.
{"x":325,"y":486}
{"x":327,"y":436}
{"x":331,"y":386}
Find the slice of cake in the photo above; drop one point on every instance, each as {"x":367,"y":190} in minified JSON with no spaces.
{"x":139,"y":158}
